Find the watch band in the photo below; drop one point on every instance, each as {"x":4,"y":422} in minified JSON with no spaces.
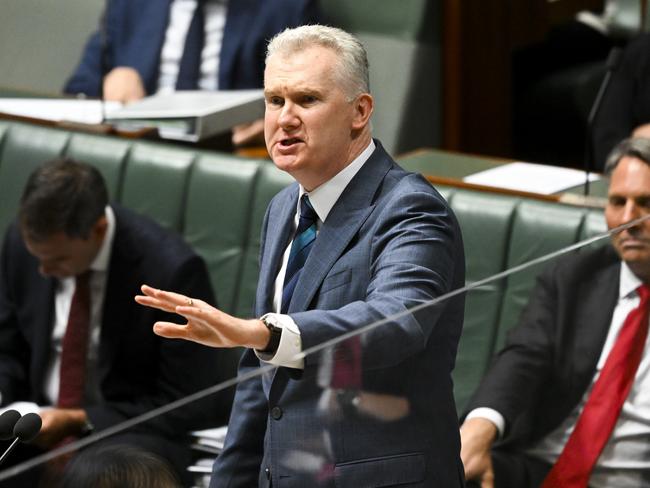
{"x":276,"y":334}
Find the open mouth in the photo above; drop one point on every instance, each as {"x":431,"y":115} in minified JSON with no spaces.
{"x":290,"y":141}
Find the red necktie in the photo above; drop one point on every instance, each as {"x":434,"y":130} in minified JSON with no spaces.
{"x":596,"y":422}
{"x":75,"y":346}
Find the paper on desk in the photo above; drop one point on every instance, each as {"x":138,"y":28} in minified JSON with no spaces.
{"x":22,"y":408}
{"x":58,"y":109}
{"x":534,"y":178}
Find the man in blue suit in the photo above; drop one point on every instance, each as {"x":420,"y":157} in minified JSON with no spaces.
{"x":355,"y":240}
{"x":140,"y":36}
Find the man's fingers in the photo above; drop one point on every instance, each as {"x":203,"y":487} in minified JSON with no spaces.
{"x":169,"y":296}
{"x":165,"y":300}
{"x":170,"y":330}
{"x":155,"y":303}
{"x":487,"y":482}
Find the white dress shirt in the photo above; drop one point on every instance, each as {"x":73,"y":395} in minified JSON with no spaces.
{"x":322,"y":200}
{"x":62,"y":302}
{"x":180,"y":16}
{"x":626,"y":456}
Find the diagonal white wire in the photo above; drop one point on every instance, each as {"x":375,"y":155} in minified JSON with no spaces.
{"x":43,"y":458}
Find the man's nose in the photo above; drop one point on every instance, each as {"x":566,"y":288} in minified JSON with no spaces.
{"x":288,"y":118}
{"x":630,"y":212}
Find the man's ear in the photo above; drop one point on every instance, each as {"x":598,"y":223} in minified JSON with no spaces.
{"x":363,"y":107}
{"x":98,"y":232}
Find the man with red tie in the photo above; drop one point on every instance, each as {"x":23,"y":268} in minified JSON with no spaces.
{"x":73,"y":344}
{"x":566,"y":403}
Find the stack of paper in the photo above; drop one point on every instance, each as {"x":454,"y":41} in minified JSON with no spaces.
{"x":210,"y":440}
{"x":191,"y":115}
{"x":535,"y":178}
{"x":59,"y":109}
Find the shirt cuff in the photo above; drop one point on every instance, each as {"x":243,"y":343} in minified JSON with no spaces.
{"x":489,"y":414}
{"x":290,"y":344}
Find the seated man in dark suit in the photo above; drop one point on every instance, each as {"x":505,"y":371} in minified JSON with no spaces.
{"x":151,"y":45}
{"x":72,"y":341}
{"x":566,"y":402}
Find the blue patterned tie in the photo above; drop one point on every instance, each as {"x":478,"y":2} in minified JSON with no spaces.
{"x":300,"y":247}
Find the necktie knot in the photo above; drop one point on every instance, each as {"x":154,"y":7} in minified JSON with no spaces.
{"x":308,"y":216}
{"x":82,"y":280}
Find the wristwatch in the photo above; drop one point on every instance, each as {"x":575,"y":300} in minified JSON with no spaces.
{"x":271,"y":322}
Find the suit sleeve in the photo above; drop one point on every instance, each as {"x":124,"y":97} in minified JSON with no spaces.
{"x":13,"y":349}
{"x":415,"y":256}
{"x":87,"y":76}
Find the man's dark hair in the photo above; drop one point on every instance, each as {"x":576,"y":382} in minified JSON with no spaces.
{"x":637,"y":147}
{"x":62,"y":195}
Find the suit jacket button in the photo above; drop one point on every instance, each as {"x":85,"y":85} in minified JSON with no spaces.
{"x":276,"y":413}
{"x":267,"y":472}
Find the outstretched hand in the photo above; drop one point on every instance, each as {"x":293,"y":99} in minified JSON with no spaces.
{"x":205,"y":324}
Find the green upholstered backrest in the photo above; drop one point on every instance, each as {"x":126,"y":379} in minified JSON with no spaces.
{"x":108,"y":155}
{"x":216,"y":219}
{"x":155,"y":182}
{"x":24,"y":147}
{"x":538,"y":229}
{"x":486,"y":221}
{"x":402,"y":39}
{"x":270,"y":181}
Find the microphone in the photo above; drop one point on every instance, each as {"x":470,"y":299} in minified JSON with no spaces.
{"x":7,"y":422}
{"x":611,"y":65}
{"x":26,"y":428}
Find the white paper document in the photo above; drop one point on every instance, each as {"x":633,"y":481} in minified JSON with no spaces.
{"x":22,"y":408}
{"x":529,"y":177}
{"x":58,"y":109}
{"x":213,"y":438}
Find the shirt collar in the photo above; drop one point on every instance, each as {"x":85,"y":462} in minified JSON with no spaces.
{"x":326,"y":195}
{"x":100,"y":263}
{"x":629,"y":282}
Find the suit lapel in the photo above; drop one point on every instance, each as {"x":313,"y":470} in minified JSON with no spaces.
{"x":278,"y":234}
{"x":43,"y":305}
{"x":592,"y":324}
{"x":122,"y":275}
{"x":344,"y":221}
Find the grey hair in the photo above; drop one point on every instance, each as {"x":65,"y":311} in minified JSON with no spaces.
{"x":352,"y":60}
{"x":637,"y":147}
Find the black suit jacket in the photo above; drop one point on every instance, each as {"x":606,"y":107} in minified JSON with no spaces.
{"x":137,"y":370}
{"x":550,"y":358}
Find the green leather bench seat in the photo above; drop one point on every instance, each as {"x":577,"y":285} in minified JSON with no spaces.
{"x":217,"y":202}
